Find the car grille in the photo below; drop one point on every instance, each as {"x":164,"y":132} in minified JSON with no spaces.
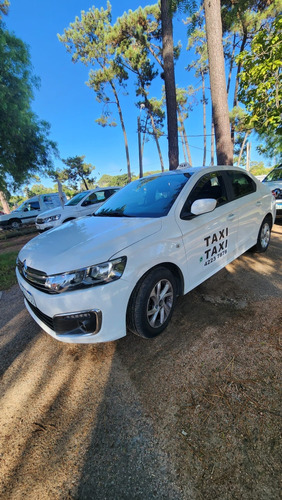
{"x":43,"y":317}
{"x":34,"y":277}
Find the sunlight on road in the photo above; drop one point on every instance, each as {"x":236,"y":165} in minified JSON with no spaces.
{"x":51,"y":394}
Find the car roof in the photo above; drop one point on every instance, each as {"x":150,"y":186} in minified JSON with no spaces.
{"x":200,"y":169}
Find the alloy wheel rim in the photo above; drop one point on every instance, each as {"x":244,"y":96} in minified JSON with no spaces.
{"x":160,"y":303}
{"x":265,"y":235}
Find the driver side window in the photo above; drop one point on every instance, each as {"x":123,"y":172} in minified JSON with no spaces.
{"x":209,"y":186}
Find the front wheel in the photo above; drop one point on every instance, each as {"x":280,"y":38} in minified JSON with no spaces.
{"x":152,"y":303}
{"x":263,"y":236}
{"x":16,"y":223}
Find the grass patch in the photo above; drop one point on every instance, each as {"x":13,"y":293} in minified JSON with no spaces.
{"x":7,"y":270}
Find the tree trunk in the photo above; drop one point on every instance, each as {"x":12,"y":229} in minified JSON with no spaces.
{"x":169,"y":78}
{"x":235,"y":99}
{"x":144,"y":135}
{"x":242,"y":148}
{"x":212,"y":143}
{"x":124,"y":132}
{"x":85,"y":183}
{"x":224,"y":146}
{"x":183,"y":145}
{"x":4,"y":203}
{"x":204,"y":118}
{"x":231,"y":63}
{"x":157,"y":141}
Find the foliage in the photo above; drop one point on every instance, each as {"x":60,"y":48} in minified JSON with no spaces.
{"x":4,"y":7}
{"x":258,"y":168}
{"x":77,"y":171}
{"x":24,"y":144}
{"x":88,"y":40}
{"x":113,"y":180}
{"x":260,"y":85}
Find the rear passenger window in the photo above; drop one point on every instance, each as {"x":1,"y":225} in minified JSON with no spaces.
{"x":242,"y":184}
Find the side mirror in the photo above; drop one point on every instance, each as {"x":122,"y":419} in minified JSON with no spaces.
{"x":25,"y":209}
{"x":203,"y":206}
{"x":85,"y":203}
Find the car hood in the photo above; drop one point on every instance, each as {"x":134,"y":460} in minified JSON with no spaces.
{"x":273,"y":184}
{"x":85,"y":242}
{"x":54,"y":211}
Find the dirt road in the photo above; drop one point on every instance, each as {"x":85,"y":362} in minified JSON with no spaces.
{"x":193,"y":414}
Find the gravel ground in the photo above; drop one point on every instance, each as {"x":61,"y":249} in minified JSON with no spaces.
{"x":192,"y":414}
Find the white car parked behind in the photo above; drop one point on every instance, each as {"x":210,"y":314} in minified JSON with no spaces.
{"x":157,"y":238}
{"x":81,"y":204}
{"x":273,"y":180}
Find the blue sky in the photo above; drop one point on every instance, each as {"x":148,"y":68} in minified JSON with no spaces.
{"x":70,"y":106}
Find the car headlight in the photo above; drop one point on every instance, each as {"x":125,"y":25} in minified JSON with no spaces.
{"x":51,"y":218}
{"x":86,"y":277}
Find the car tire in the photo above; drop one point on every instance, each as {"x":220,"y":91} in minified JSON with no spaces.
{"x":263,"y":236}
{"x":15,"y":223}
{"x":152,"y":303}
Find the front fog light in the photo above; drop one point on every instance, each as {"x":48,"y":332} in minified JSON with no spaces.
{"x":79,"y":323}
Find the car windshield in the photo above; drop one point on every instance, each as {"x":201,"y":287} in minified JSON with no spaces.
{"x":274,"y":175}
{"x":20,"y":208}
{"x":147,"y":197}
{"x":77,"y":198}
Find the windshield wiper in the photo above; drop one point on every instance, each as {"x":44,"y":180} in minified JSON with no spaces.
{"x":110,"y":214}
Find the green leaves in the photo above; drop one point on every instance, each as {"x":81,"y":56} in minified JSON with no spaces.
{"x":260,"y":84}
{"x":24,"y":144}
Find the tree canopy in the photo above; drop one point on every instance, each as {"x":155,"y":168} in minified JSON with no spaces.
{"x":76,"y":173}
{"x":25,"y":147}
{"x":260,"y":85}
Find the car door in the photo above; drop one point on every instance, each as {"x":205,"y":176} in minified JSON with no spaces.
{"x":210,"y":239}
{"x":248,"y":205}
{"x":92,"y":202}
{"x":30,"y":212}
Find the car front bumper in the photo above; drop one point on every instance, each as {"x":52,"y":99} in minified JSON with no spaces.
{"x":107,"y":303}
{"x":278,"y":207}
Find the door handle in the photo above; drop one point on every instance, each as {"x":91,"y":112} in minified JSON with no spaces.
{"x":258,"y":203}
{"x":231,"y":217}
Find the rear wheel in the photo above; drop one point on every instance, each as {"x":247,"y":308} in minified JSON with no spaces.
{"x":263,"y":236}
{"x":152,"y":303}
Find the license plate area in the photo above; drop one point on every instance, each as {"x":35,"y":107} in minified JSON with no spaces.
{"x":29,"y":297}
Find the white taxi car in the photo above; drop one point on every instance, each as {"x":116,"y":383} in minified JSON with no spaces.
{"x":273,"y":180}
{"x":81,"y":204}
{"x":157,"y":238}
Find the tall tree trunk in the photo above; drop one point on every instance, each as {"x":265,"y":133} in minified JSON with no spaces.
{"x":212,"y":143}
{"x":235,"y":98}
{"x":157,"y":141}
{"x":85,"y":184}
{"x":242,"y":148}
{"x":184,"y":135}
{"x":224,"y":146}
{"x":183,"y":145}
{"x":144,"y":135}
{"x":187,"y":146}
{"x":169,"y":78}
{"x":231,"y":63}
{"x":4,"y":203}
{"x":124,"y":132}
{"x":204,"y":117}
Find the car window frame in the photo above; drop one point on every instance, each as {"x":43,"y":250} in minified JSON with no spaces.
{"x":187,"y":215}
{"x":229,"y":183}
